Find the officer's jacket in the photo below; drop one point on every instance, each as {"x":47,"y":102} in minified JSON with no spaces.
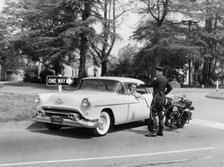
{"x":160,"y":84}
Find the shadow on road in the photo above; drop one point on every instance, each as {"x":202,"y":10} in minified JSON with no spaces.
{"x":71,"y":132}
{"x":83,"y":133}
{"x":130,"y":127}
{"x":143,"y":131}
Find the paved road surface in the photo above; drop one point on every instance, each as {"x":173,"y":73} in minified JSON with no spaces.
{"x":198,"y":144}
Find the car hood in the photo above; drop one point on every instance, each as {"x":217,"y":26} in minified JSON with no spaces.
{"x":73,"y":99}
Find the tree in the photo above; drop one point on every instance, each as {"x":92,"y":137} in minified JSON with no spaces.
{"x":125,"y":63}
{"x":52,"y":32}
{"x":154,"y":30}
{"x":46,"y":31}
{"x":108,"y":13}
{"x":210,"y":37}
{"x":86,"y":13}
{"x":164,"y":37}
{"x":9,"y":59}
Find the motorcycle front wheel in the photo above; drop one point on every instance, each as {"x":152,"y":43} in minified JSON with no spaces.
{"x":181,"y":123}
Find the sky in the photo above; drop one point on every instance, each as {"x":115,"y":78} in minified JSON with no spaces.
{"x":125,"y":31}
{"x":1,"y":4}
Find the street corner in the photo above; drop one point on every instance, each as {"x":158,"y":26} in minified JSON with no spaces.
{"x":20,"y":126}
{"x":219,"y":94}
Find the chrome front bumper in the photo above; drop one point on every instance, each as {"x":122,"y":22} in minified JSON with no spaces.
{"x":69,"y":122}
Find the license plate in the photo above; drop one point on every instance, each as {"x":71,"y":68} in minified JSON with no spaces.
{"x":55,"y":119}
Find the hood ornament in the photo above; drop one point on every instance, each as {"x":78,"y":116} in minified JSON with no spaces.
{"x":58,"y":101}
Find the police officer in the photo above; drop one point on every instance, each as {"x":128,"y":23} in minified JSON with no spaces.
{"x":161,"y":87}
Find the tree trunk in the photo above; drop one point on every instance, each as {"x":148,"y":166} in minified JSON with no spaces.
{"x":206,"y":73}
{"x":156,"y":61}
{"x":104,"y":68}
{"x":84,"y":40}
{"x":83,"y":53}
{"x":206,"y":65}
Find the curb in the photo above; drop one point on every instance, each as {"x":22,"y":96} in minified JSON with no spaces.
{"x":216,"y":95}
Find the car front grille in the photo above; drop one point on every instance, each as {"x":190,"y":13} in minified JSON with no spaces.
{"x":63,"y":113}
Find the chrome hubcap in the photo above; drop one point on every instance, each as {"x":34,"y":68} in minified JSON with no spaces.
{"x":102,"y":123}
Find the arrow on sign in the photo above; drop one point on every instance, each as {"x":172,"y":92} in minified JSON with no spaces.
{"x":69,"y":80}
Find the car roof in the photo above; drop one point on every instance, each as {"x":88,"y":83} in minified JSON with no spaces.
{"x":121,"y":79}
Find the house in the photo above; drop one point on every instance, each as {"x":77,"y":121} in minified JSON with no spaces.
{"x":11,"y":75}
{"x":72,"y":69}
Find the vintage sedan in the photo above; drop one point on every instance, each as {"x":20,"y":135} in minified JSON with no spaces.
{"x":98,"y":103}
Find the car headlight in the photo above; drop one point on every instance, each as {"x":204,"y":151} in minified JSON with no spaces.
{"x":37,"y":99}
{"x":86,"y":103}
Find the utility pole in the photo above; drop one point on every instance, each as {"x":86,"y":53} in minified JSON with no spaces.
{"x":189,"y":23}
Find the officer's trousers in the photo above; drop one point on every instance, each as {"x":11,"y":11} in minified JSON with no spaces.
{"x":157,"y":124}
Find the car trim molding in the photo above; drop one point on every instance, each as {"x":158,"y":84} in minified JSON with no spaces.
{"x":103,"y":105}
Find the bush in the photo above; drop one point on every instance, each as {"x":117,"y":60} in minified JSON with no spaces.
{"x":175,"y":84}
{"x":44,"y":74}
{"x":31,"y":75}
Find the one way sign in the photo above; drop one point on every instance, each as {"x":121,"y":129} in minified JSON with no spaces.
{"x":53,"y":80}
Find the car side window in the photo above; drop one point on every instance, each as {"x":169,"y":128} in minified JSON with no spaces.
{"x":120,"y":88}
{"x":101,"y":85}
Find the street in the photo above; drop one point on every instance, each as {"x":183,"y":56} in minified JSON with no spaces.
{"x":199,"y":143}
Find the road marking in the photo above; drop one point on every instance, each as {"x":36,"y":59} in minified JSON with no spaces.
{"x":217,"y":125}
{"x":205,"y":158}
{"x":172,"y":161}
{"x":103,"y":158}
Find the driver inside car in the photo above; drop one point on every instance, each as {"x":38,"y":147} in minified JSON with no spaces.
{"x":132,"y":91}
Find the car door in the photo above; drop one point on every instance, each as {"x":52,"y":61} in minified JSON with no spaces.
{"x":136,"y":108}
{"x":139,"y":108}
{"x":120,"y":104}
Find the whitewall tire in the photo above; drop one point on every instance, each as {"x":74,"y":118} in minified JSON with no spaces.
{"x":104,"y":124}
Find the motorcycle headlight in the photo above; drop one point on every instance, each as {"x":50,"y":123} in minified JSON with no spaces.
{"x":37,"y":99}
{"x":175,"y":108}
{"x":86,"y":103}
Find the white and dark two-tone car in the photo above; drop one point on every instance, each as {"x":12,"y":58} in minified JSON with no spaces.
{"x":98,"y":103}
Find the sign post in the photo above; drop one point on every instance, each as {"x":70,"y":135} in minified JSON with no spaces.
{"x":54,"y":80}
{"x":217,"y":85}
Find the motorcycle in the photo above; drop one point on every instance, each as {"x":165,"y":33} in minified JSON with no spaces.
{"x":177,"y":111}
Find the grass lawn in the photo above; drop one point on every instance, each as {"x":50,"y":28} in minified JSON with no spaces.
{"x":17,"y":100}
{"x":16,"y":107}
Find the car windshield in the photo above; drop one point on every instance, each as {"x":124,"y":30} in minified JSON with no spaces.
{"x":104,"y":85}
